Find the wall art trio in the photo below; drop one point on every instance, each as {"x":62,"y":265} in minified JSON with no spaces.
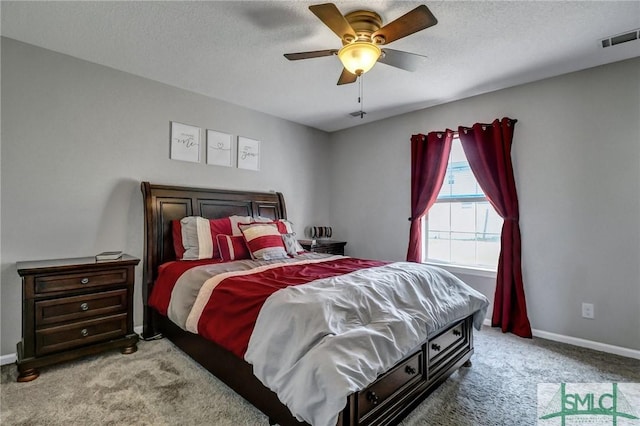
{"x":185,"y":146}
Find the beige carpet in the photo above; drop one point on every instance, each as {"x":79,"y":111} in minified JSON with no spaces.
{"x":158,"y":385}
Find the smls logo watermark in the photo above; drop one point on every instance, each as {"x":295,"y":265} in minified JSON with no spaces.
{"x":565,"y":404}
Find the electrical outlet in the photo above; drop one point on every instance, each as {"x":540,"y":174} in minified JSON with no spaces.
{"x":588,"y":311}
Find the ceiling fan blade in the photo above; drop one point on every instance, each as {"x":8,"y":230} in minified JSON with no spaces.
{"x":409,"y":23}
{"x":403,"y":60}
{"x":346,"y":78}
{"x":332,"y":18}
{"x":309,"y":55}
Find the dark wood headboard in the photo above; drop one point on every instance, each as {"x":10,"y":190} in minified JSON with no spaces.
{"x":163,"y":203}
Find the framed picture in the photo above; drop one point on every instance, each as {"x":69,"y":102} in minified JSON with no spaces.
{"x":218,"y":148}
{"x":248,"y":153}
{"x":185,"y":142}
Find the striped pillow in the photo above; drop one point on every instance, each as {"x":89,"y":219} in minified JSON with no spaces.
{"x":196,"y":238}
{"x":232,"y":247}
{"x":192,"y":240}
{"x":264,"y":240}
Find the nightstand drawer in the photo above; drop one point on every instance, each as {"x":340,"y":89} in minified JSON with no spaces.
{"x":327,"y":249}
{"x":89,"y":279}
{"x":80,"y":307}
{"x":324,"y":246}
{"x":58,"y":338}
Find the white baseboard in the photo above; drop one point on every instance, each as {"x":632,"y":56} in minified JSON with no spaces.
{"x":11,"y":358}
{"x":583,"y":343}
{"x":7,"y":359}
{"x":590,"y":344}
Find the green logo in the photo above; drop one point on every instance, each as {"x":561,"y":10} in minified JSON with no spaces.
{"x":588,"y":404}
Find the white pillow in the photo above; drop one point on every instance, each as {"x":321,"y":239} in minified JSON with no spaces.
{"x":196,"y":238}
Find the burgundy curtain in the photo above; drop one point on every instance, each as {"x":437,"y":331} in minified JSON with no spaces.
{"x":429,"y":157}
{"x":488,"y":149}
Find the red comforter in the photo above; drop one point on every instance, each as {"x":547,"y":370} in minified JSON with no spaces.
{"x":229,"y":315}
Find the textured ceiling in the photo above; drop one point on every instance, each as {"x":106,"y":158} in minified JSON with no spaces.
{"x":233,"y":50}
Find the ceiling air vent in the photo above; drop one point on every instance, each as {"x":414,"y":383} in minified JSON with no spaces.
{"x":621,"y":38}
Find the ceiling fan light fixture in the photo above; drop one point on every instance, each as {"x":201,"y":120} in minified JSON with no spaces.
{"x":359,"y":57}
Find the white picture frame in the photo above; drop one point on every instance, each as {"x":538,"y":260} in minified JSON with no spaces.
{"x":248,"y":153}
{"x":185,"y":142}
{"x":218,"y":148}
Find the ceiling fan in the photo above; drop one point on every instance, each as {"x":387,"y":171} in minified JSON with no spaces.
{"x":362,"y":34}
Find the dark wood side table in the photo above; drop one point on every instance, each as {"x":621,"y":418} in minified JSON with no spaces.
{"x":72,"y":308}
{"x":324,"y":246}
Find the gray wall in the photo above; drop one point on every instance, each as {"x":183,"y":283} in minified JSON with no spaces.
{"x":77,"y":139}
{"x":577,"y":164}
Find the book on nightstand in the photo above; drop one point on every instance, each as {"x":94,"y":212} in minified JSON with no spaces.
{"x":109,"y":255}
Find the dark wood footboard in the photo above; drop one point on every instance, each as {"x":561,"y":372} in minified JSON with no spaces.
{"x":386,"y":401}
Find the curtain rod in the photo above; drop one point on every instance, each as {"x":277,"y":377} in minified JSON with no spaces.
{"x":457,"y":133}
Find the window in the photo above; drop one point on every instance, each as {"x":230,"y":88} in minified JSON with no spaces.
{"x":462,"y":227}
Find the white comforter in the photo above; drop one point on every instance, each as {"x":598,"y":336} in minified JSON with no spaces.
{"x":334,"y":336}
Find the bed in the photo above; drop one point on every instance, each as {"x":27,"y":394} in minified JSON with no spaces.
{"x":390,"y":396}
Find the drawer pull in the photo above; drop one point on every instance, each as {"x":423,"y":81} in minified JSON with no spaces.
{"x":456,"y":332}
{"x":84,"y":332}
{"x":84,"y":281}
{"x":410,"y":370}
{"x":435,"y":347}
{"x":372,"y":397}
{"x":84,"y":306}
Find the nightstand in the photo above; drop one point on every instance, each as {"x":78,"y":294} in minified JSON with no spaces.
{"x":324,"y":246}
{"x":72,"y":308}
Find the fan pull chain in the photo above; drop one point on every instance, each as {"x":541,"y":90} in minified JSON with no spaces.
{"x":361,"y":96}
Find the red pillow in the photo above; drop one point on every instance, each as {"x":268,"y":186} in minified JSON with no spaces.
{"x":176,"y":234}
{"x":232,"y":247}
{"x":217,"y":226}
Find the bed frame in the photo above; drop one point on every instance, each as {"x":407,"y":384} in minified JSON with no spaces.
{"x":386,"y":401}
